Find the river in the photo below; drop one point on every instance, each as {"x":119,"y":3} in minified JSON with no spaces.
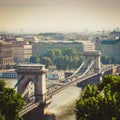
{"x":63,"y":103}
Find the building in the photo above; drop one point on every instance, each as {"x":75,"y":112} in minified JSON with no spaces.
{"x":6,"y":54}
{"x":55,"y":75}
{"x":44,"y":46}
{"x":110,"y":48}
{"x":8,"y":74}
{"x":114,"y":34}
{"x":22,"y":51}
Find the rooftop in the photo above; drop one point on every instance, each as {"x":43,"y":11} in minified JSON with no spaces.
{"x":30,"y":65}
{"x":115,"y":33}
{"x":7,"y":70}
{"x":110,"y":42}
{"x":64,"y":41}
{"x":4,"y":42}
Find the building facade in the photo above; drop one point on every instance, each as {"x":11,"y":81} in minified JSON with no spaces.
{"x":56,"y":75}
{"x":6,"y":54}
{"x":110,"y":48}
{"x":44,"y":46}
{"x":8,"y":74}
{"x":22,"y":51}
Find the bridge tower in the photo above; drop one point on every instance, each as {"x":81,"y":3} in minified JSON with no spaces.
{"x":95,"y":56}
{"x":34,"y":73}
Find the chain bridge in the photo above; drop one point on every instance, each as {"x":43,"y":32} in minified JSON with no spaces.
{"x":89,"y":72}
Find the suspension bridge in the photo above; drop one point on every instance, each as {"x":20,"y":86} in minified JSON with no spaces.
{"x":90,"y":70}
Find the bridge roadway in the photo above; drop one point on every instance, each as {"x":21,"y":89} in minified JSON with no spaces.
{"x":56,"y":88}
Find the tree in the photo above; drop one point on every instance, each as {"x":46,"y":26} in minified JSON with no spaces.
{"x":10,"y":102}
{"x":76,"y":60}
{"x":70,"y":51}
{"x":101,"y":101}
{"x":59,"y":61}
{"x":71,"y":62}
{"x":35,"y":59}
{"x":47,"y":61}
{"x":64,"y":59}
{"x":32,"y":59}
{"x":51,"y":55}
{"x":58,"y":52}
{"x":8,"y":66}
{"x":2,"y":117}
{"x":105,"y":59}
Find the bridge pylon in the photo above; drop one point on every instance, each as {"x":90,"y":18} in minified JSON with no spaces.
{"x":34,"y":73}
{"x":91,"y":63}
{"x":95,"y":56}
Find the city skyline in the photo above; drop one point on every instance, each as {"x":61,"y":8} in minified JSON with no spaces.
{"x":59,"y":15}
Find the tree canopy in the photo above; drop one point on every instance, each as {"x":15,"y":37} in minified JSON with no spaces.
{"x":106,"y":60}
{"x":101,"y":101}
{"x":10,"y":103}
{"x":68,"y":58}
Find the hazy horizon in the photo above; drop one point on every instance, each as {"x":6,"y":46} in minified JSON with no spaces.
{"x":59,"y":15}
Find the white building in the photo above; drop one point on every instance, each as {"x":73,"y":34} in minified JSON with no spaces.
{"x":43,"y":46}
{"x":55,"y":75}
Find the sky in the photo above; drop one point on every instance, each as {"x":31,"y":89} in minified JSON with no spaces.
{"x":59,"y":15}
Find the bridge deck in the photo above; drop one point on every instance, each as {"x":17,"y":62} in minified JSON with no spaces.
{"x":59,"y":87}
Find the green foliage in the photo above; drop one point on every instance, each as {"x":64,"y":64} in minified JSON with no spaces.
{"x":59,"y":62}
{"x":10,"y":102}
{"x":68,"y":58}
{"x":70,"y":52}
{"x":51,"y":55}
{"x":34,"y":59}
{"x":2,"y":117}
{"x":105,"y":59}
{"x":46,"y":60}
{"x":2,"y":85}
{"x":100,"y":102}
{"x":90,"y":91}
{"x":9,"y":66}
{"x":57,"y":52}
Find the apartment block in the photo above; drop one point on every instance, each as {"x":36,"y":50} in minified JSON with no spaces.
{"x":6,"y":54}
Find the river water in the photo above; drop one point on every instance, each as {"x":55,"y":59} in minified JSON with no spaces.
{"x":10,"y":82}
{"x":63,"y":103}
